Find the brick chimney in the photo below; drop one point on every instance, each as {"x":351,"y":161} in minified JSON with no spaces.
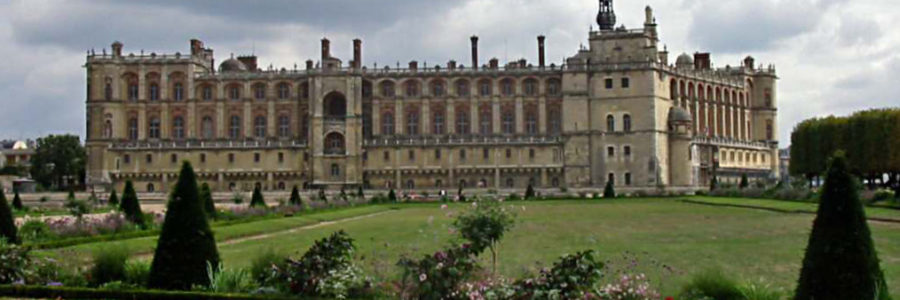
{"x":413,"y":65}
{"x":249,"y":61}
{"x":474,"y":51}
{"x":701,"y":61}
{"x":309,"y":64}
{"x":326,"y":49}
{"x":357,"y":53}
{"x":117,"y":48}
{"x":541,"y":51}
{"x":494,"y":63}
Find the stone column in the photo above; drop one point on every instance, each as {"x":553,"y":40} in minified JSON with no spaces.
{"x":271,"y":119}
{"x":221,"y":122}
{"x":165,"y":122}
{"x":376,"y":117}
{"x":542,"y":115}
{"x":519,"y":116}
{"x":450,"y":118}
{"x":495,"y":107}
{"x":247,"y":120}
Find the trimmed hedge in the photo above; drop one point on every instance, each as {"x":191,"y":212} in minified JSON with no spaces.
{"x":51,"y":292}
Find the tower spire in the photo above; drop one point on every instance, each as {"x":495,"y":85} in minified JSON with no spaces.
{"x":606,"y":18}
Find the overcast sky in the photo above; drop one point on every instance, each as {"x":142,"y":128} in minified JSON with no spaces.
{"x":833,"y":56}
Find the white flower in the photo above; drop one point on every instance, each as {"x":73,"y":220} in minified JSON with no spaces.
{"x":443,"y":206}
{"x":474,"y":204}
{"x":422,"y":277}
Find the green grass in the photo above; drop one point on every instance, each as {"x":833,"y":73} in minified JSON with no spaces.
{"x":871,"y":212}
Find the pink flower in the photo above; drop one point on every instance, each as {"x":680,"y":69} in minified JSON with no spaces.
{"x":443,"y":206}
{"x":422,"y":277}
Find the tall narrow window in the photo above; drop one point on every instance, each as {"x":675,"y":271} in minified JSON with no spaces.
{"x":259,"y":126}
{"x":484,"y":88}
{"x":770,"y":134}
{"x":206,"y":126}
{"x":234,"y":93}
{"x":335,"y":170}
{"x":509,"y":122}
{"x":154,"y":129}
{"x":437,"y":88}
{"x":438,"y":122}
{"x":334,"y":144}
{"x":107,"y":92}
{"x":132,"y":91}
{"x":627,"y":178}
{"x":154,"y":91}
{"x":484,"y":122}
{"x":610,"y":123}
{"x":387,"y":124}
{"x":387,"y":89}
{"x":259,"y":91}
{"x":178,"y":127}
{"x":462,"y":122}
{"x":626,"y":83}
{"x":133,"y":129}
{"x":284,"y":91}
{"x":531,"y":89}
{"x":626,"y":123}
{"x":178,"y":91}
{"x":412,"y":123}
{"x":554,"y":121}
{"x":207,"y":93}
{"x":412,"y":88}
{"x":234,"y":128}
{"x":531,"y":122}
{"x":284,"y":126}
{"x":553,"y":87}
{"x":462,"y":88}
{"x":507,"y":87}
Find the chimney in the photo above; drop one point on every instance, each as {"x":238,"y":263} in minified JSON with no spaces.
{"x":117,"y":49}
{"x":701,"y":61}
{"x":357,"y":53}
{"x":196,"y":47}
{"x":451,"y":65}
{"x":474,"y":51}
{"x":309,"y":64}
{"x":748,"y":63}
{"x":494,"y":63}
{"x":249,"y":61}
{"x":541,"y":51}
{"x":413,"y":65}
{"x":326,"y":49}
{"x":523,"y":63}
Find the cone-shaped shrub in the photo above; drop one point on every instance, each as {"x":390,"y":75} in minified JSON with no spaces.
{"x":7,"y":221}
{"x":17,"y":201}
{"x":295,"y":196}
{"x":744,"y":182}
{"x":71,"y":196}
{"x":359,"y":192}
{"x":209,"y":207}
{"x":257,"y":199}
{"x":322,"y":196}
{"x":392,"y":197}
{"x":186,"y":244}
{"x":529,"y":192}
{"x":840,"y":260}
{"x":113,"y":199}
{"x":130,"y":205}
{"x":713,"y":184}
{"x":609,"y":191}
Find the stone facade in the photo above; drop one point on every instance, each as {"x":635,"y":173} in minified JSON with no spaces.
{"x":617,"y":110}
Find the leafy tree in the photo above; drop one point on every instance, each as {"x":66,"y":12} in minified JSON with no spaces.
{"x":186,"y":244}
{"x":840,"y":260}
{"x":113,"y":199}
{"x":131,"y":206}
{"x":209,"y":206}
{"x":17,"y":201}
{"x":484,"y":225}
{"x":7,"y":221}
{"x":295,"y":197}
{"x":744,"y":182}
{"x":609,"y":191}
{"x":257,"y":199}
{"x":392,"y":196}
{"x":529,"y":192}
{"x":56,"y":158}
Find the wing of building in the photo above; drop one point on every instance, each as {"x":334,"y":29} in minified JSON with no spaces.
{"x":615,"y":111}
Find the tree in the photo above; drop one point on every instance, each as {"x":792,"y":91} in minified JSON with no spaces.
{"x":459,"y":194}
{"x":484,"y":226}
{"x":113,"y":199}
{"x":56,"y":158}
{"x":714,"y":183}
{"x":359,"y":193}
{"x":257,"y":199}
{"x":295,"y":197}
{"x":186,"y":244}
{"x":7,"y":221}
{"x":131,"y":206}
{"x":609,"y":191}
{"x":840,"y":260}
{"x":529,"y":192}
{"x":209,"y":206}
{"x":17,"y":201}
{"x":322,"y":196}
{"x":744,"y":182}
{"x":392,"y":196}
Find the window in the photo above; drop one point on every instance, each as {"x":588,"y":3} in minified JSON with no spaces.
{"x":202,"y":157}
{"x":610,"y":123}
{"x":259,"y":126}
{"x":608,"y":83}
{"x":387,"y":124}
{"x":334,"y":143}
{"x":178,"y":91}
{"x":508,"y":153}
{"x":335,"y":170}
{"x":412,"y":155}
{"x":387,"y":156}
{"x":438,"y":122}
{"x":437,"y":88}
{"x":234,"y":93}
{"x":133,"y":129}
{"x":259,"y":92}
{"x":531,"y":153}
{"x":154,"y":128}
{"x":149,"y":158}
{"x":234,"y":128}
{"x":508,"y":88}
{"x":510,"y":182}
{"x":410,"y":184}
{"x":206,"y":127}
{"x":626,"y":123}
{"x":462,"y":154}
{"x":284,"y":126}
{"x":554,"y":121}
{"x":304,"y":90}
{"x":284,"y":91}
{"x":178,"y":127}
{"x":553,"y":87}
{"x":412,"y":88}
{"x":127,"y":159}
{"x":485,"y":154}
{"x":531,"y":89}
{"x":531,"y":122}
{"x":412,"y":122}
{"x":509,"y":122}
{"x":626,"y":83}
{"x":150,"y":188}
{"x":387,"y":89}
{"x":437,"y":153}
{"x":207,"y":93}
{"x":154,"y":91}
{"x":231,"y":157}
{"x":132,"y":92}
{"x":627,"y":151}
{"x":611,"y":178}
{"x":627,"y":178}
{"x":462,"y":122}
{"x":256,"y":157}
{"x":611,"y":151}
{"x":438,"y":183}
{"x":770,"y":135}
{"x":484,"y":88}
{"x":107,"y":92}
{"x":554,"y":182}
{"x":462,"y":88}
{"x":174,"y":158}
{"x":484,"y":120}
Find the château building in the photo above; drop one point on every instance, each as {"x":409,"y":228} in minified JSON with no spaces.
{"x":617,"y":110}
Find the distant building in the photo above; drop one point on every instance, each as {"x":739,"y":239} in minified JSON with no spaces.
{"x":16,"y":153}
{"x":616,"y":111}
{"x":784,"y":158}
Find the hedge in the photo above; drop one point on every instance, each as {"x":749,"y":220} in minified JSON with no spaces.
{"x":56,"y":292}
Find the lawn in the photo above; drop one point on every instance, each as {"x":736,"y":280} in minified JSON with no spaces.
{"x":753,"y":245}
{"x":810,"y":207}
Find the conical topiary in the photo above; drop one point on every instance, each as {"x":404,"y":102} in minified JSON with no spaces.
{"x":840,"y":260}
{"x":529,"y":192}
{"x":113,"y":199}
{"x":131,"y":206}
{"x":17,"y":201}
{"x":186,"y":244}
{"x":295,"y":197}
{"x":359,"y":193}
{"x":257,"y":199}
{"x":609,"y":191}
{"x":322,"y":196}
{"x":713,"y":184}
{"x":7,"y":221}
{"x":392,"y":196}
{"x":744,"y":182}
{"x":209,"y":207}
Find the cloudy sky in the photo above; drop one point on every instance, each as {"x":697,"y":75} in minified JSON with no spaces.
{"x":833,"y":56}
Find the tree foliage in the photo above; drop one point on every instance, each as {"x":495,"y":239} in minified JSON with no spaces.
{"x":57,"y":157}
{"x":209,"y":206}
{"x":17,"y":201}
{"x":113,"y":199}
{"x":131,"y":206}
{"x":840,"y":260}
{"x":7,"y":221}
{"x":257,"y":199}
{"x":609,"y":191}
{"x":295,"y":197}
{"x":186,"y":244}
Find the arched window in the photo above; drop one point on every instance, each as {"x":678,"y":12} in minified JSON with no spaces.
{"x":462,"y":121}
{"x":610,"y":123}
{"x":531,"y":126}
{"x":234,"y":92}
{"x":284,"y":91}
{"x":509,"y":122}
{"x":154,"y":91}
{"x":153,"y":130}
{"x":437,"y":122}
{"x":107,"y":129}
{"x":410,"y":184}
{"x":437,"y":88}
{"x":284,"y":126}
{"x":531,"y":87}
{"x":554,"y":121}
{"x":507,"y":87}
{"x":259,"y":126}
{"x":133,"y":129}
{"x":207,"y":93}
{"x":387,"y":123}
{"x":132,"y":91}
{"x":485,"y":121}
{"x":626,"y":123}
{"x":303,"y":91}
{"x":234,"y":128}
{"x":206,"y":126}
{"x":178,"y":91}
{"x":770,"y":133}
{"x":107,"y":92}
{"x":484,"y":88}
{"x":335,"y":170}
{"x":259,"y":91}
{"x":150,"y":188}
{"x":412,"y":122}
{"x":412,"y":88}
{"x":387,"y":89}
{"x":334,"y":143}
{"x":178,"y":127}
{"x":554,"y":87}
{"x":335,"y":106}
{"x":462,"y":88}
{"x":367,"y":89}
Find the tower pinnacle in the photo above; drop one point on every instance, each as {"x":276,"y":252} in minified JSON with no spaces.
{"x":606,"y":18}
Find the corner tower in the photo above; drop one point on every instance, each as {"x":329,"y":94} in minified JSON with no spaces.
{"x":606,"y":18}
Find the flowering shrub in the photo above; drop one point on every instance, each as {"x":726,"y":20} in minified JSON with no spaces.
{"x":13,"y":261}
{"x":325,"y":270}
{"x":634,"y":287}
{"x":440,"y":275}
{"x":88,"y":225}
{"x":573,"y":276}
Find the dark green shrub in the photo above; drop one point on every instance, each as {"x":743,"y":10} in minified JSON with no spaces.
{"x":7,"y":222}
{"x":209,"y":206}
{"x":109,"y":265}
{"x":744,"y":182}
{"x":840,"y":260}
{"x":712,"y":284}
{"x":359,"y":192}
{"x":460,"y":196}
{"x":570,"y":278}
{"x":529,"y":193}
{"x":513,"y":197}
{"x":186,"y":244}
{"x":71,"y":196}
{"x":263,"y":268}
{"x":257,"y":199}
{"x":131,"y":206}
{"x":714,"y":183}
{"x":35,"y":230}
{"x":137,"y":272}
{"x":343,"y":195}
{"x":295,"y":197}
{"x":392,"y":197}
{"x":882,"y":195}
{"x":113,"y":199}
{"x":322,"y":196}
{"x":77,"y":208}
{"x":609,"y":191}
{"x":17,"y":201}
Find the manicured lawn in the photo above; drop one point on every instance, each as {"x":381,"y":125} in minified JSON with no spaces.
{"x":871,"y":212}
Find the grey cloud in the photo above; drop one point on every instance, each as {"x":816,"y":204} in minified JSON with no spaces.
{"x":855,"y":30}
